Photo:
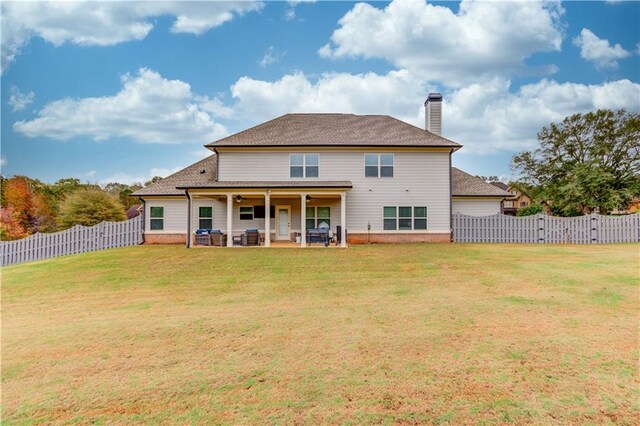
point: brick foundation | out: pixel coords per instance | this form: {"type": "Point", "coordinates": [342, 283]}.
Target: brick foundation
{"type": "Point", "coordinates": [398, 238]}
{"type": "Point", "coordinates": [165, 238]}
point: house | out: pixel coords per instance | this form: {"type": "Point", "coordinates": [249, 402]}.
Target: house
{"type": "Point", "coordinates": [517, 199]}
{"type": "Point", "coordinates": [377, 177]}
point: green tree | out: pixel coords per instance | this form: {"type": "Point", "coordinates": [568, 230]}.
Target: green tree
{"type": "Point", "coordinates": [89, 207]}
{"type": "Point", "coordinates": [529, 210]}
{"type": "Point", "coordinates": [586, 163]}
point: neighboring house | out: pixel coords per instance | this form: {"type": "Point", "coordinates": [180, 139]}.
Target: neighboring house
{"type": "Point", "coordinates": [380, 178]}
{"type": "Point", "coordinates": [515, 201]}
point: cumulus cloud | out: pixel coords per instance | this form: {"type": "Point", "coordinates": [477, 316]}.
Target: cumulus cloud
{"type": "Point", "coordinates": [18, 100]}
{"type": "Point", "coordinates": [599, 51]}
{"type": "Point", "coordinates": [148, 109]}
{"type": "Point", "coordinates": [130, 179]}
{"type": "Point", "coordinates": [485, 117]}
{"type": "Point", "coordinates": [480, 41]}
{"type": "Point", "coordinates": [3, 161]}
{"type": "Point", "coordinates": [106, 23]}
{"type": "Point", "coordinates": [393, 93]}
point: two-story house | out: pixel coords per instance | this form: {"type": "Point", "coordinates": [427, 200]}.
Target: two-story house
{"type": "Point", "coordinates": [516, 200]}
{"type": "Point", "coordinates": [378, 178]}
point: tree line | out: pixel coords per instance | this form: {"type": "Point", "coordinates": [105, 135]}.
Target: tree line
{"type": "Point", "coordinates": [29, 205]}
{"type": "Point", "coordinates": [587, 163]}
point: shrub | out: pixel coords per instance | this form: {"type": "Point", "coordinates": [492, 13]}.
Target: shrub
{"type": "Point", "coordinates": [529, 210]}
{"type": "Point", "coordinates": [89, 207]}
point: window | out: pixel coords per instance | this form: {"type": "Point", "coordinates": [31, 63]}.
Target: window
{"type": "Point", "coordinates": [304, 165]}
{"type": "Point", "coordinates": [523, 204]}
{"type": "Point", "coordinates": [246, 213]}
{"type": "Point", "coordinates": [205, 218]}
{"type": "Point", "coordinates": [508, 204]}
{"type": "Point", "coordinates": [157, 218]}
{"type": "Point", "coordinates": [404, 218]}
{"type": "Point", "coordinates": [318, 215]}
{"type": "Point", "coordinates": [378, 165]}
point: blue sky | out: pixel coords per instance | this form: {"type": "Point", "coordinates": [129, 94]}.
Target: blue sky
{"type": "Point", "coordinates": [128, 90]}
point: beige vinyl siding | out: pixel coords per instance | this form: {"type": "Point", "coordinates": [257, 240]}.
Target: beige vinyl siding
{"type": "Point", "coordinates": [175, 215]}
{"type": "Point", "coordinates": [421, 178]}
{"type": "Point", "coordinates": [476, 207]}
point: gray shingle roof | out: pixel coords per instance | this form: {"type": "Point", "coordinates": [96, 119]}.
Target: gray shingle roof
{"type": "Point", "coordinates": [335, 130]}
{"type": "Point", "coordinates": [191, 175]}
{"type": "Point", "coordinates": [465, 185]}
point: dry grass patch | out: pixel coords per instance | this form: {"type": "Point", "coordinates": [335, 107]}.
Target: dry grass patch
{"type": "Point", "coordinates": [373, 334]}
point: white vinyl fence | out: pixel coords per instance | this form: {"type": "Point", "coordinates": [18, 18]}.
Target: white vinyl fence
{"type": "Point", "coordinates": [540, 228]}
{"type": "Point", "coordinates": [78, 239]}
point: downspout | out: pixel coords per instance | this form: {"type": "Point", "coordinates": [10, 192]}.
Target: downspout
{"type": "Point", "coordinates": [217, 164]}
{"type": "Point", "coordinates": [186, 191]}
{"type": "Point", "coordinates": [450, 198]}
{"type": "Point", "coordinates": [144, 222]}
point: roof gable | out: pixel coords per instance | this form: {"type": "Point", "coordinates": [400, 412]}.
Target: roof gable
{"type": "Point", "coordinates": [199, 173]}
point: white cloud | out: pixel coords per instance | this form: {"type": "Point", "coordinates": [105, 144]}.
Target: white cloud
{"type": "Point", "coordinates": [3, 161]}
{"type": "Point", "coordinates": [395, 93]}
{"type": "Point", "coordinates": [129, 179]}
{"type": "Point", "coordinates": [599, 51]}
{"type": "Point", "coordinates": [271, 56]}
{"type": "Point", "coordinates": [148, 109]}
{"type": "Point", "coordinates": [480, 41]}
{"type": "Point", "coordinates": [485, 117]}
{"type": "Point", "coordinates": [106, 23]}
{"type": "Point", "coordinates": [90, 174]}
{"type": "Point", "coordinates": [18, 100]}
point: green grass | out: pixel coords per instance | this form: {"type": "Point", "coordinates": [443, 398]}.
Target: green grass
{"type": "Point", "coordinates": [435, 334]}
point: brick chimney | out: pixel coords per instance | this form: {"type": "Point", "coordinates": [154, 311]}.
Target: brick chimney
{"type": "Point", "coordinates": [433, 113]}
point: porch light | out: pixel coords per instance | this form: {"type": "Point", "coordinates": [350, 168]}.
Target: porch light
{"type": "Point", "coordinates": [238, 198]}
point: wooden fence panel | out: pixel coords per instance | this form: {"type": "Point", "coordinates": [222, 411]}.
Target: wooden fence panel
{"type": "Point", "coordinates": [79, 239]}
{"type": "Point", "coordinates": [540, 228]}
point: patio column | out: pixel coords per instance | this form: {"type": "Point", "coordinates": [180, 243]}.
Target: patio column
{"type": "Point", "coordinates": [303, 220]}
{"type": "Point", "coordinates": [343, 219]}
{"type": "Point", "coordinates": [229, 220]}
{"type": "Point", "coordinates": [267, 219]}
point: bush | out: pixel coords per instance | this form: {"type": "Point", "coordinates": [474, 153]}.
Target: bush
{"type": "Point", "coordinates": [529, 210]}
{"type": "Point", "coordinates": [89, 207]}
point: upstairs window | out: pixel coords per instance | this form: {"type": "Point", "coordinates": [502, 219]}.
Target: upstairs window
{"type": "Point", "coordinates": [303, 165]}
{"type": "Point", "coordinates": [378, 165]}
{"type": "Point", "coordinates": [205, 218]}
{"type": "Point", "coordinates": [156, 221]}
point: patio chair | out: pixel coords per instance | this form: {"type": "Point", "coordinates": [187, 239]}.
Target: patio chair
{"type": "Point", "coordinates": [218, 238]}
{"type": "Point", "coordinates": [251, 237]}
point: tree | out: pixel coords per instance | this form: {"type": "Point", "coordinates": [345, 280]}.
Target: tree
{"type": "Point", "coordinates": [529, 210]}
{"type": "Point", "coordinates": [10, 228]}
{"type": "Point", "coordinates": [589, 162]}
{"type": "Point", "coordinates": [89, 207]}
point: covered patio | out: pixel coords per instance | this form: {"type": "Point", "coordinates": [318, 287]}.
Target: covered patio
{"type": "Point", "coordinates": [282, 213]}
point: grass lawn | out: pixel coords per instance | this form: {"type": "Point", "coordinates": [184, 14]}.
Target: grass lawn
{"type": "Point", "coordinates": [441, 333]}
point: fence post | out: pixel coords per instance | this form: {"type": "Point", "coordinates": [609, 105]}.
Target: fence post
{"type": "Point", "coordinates": [540, 227]}
{"type": "Point", "coordinates": [594, 224]}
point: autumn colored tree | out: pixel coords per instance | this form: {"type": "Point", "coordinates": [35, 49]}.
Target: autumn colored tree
{"type": "Point", "coordinates": [89, 207]}
{"type": "Point", "coordinates": [10, 228]}
{"type": "Point", "coordinates": [19, 197]}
